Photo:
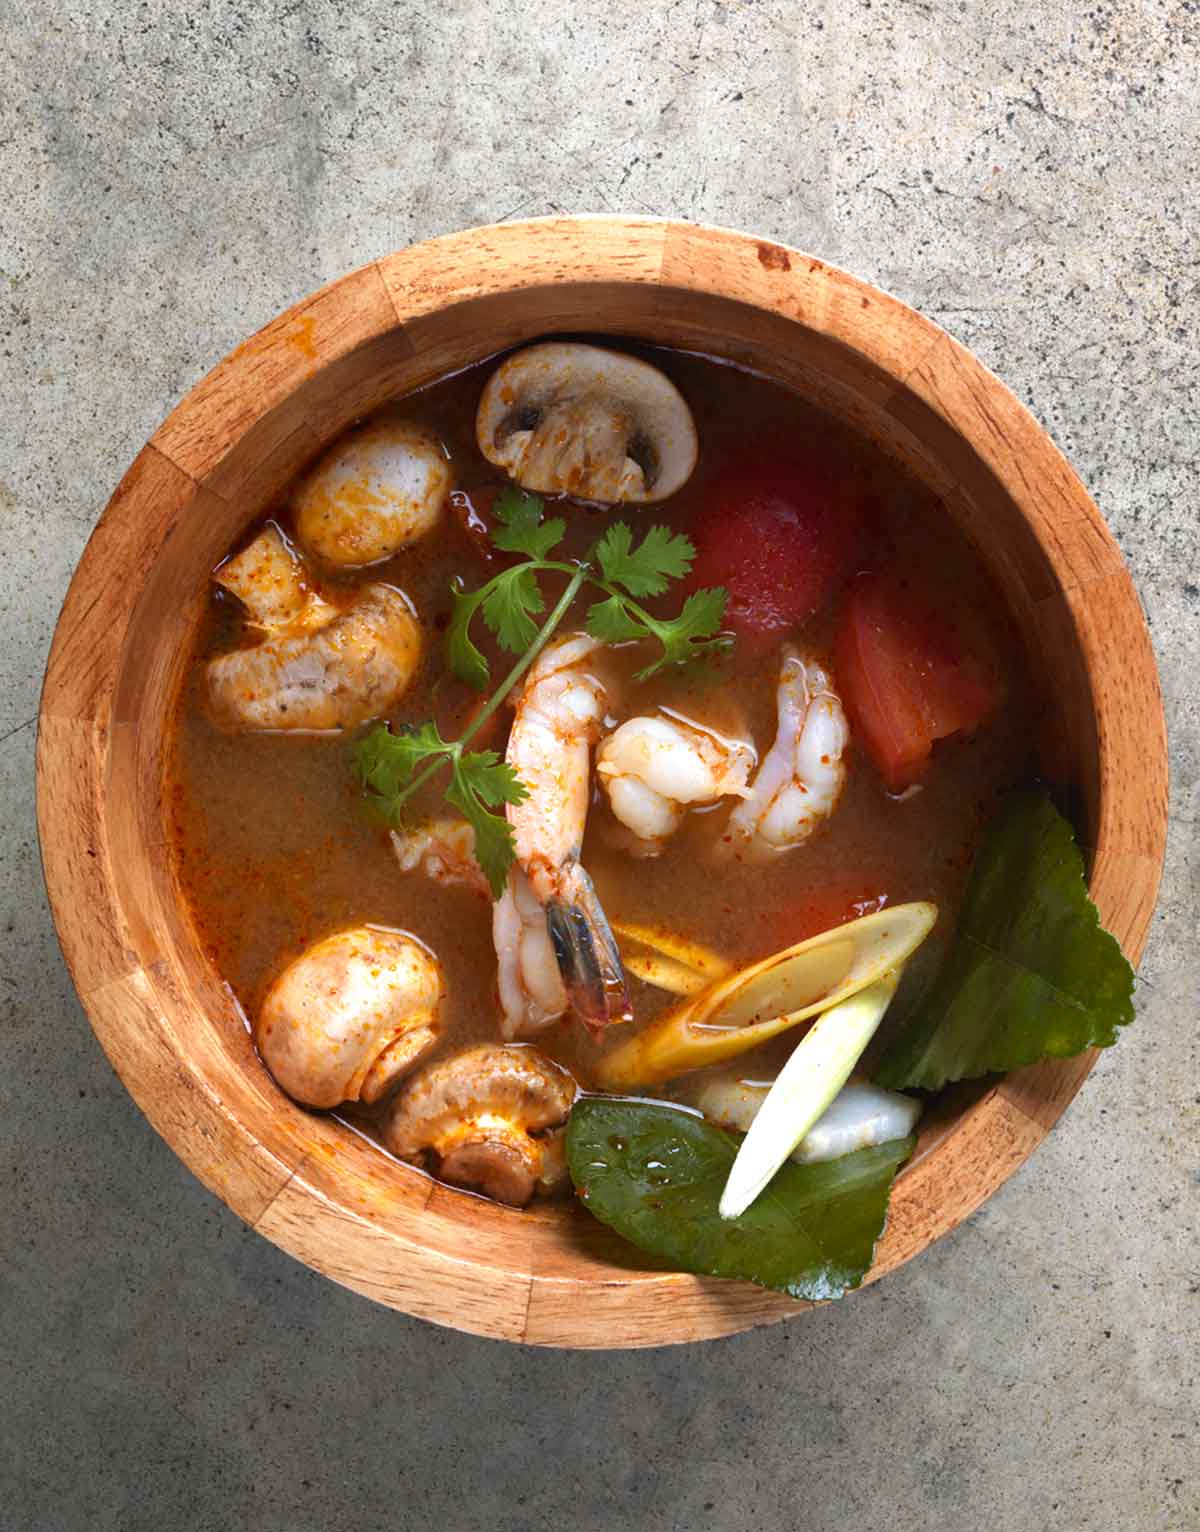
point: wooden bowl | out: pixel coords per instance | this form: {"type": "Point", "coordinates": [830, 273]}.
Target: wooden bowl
{"type": "Point", "coordinates": [549, 1276]}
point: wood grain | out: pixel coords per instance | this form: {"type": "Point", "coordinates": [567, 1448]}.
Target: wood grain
{"type": "Point", "coordinates": [168, 1023]}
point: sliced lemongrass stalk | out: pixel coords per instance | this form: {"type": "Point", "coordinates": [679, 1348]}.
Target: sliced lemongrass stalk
{"type": "Point", "coordinates": [670, 962]}
{"type": "Point", "coordinates": [804, 1088]}
{"type": "Point", "coordinates": [665, 973]}
{"type": "Point", "coordinates": [861, 1115]}
{"type": "Point", "coordinates": [757, 1003]}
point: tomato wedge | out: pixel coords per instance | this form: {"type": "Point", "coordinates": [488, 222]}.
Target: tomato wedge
{"type": "Point", "coordinates": [908, 674]}
{"type": "Point", "coordinates": [781, 537]}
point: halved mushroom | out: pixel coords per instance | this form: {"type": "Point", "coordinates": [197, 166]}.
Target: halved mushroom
{"type": "Point", "coordinates": [351, 1016]}
{"type": "Point", "coordinates": [271, 583]}
{"type": "Point", "coordinates": [375, 491]}
{"type": "Point", "coordinates": [339, 669]}
{"type": "Point", "coordinates": [563, 418]}
{"type": "Point", "coordinates": [486, 1119]}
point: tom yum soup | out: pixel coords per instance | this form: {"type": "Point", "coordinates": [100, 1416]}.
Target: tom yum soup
{"type": "Point", "coordinates": [576, 765]}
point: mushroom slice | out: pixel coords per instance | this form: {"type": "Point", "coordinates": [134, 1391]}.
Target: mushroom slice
{"type": "Point", "coordinates": [351, 1016]}
{"type": "Point", "coordinates": [485, 1118]}
{"type": "Point", "coordinates": [270, 582]}
{"type": "Point", "coordinates": [375, 491]}
{"type": "Point", "coordinates": [563, 418]}
{"type": "Point", "coordinates": [350, 669]}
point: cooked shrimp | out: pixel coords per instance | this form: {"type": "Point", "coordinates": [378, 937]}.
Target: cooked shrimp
{"type": "Point", "coordinates": [558, 716]}
{"type": "Point", "coordinates": [801, 778]}
{"type": "Point", "coordinates": [442, 849]}
{"type": "Point", "coordinates": [532, 994]}
{"type": "Point", "coordinates": [655, 768]}
{"type": "Point", "coordinates": [350, 669]}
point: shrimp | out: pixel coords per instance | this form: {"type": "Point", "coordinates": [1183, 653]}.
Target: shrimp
{"type": "Point", "coordinates": [532, 993]}
{"type": "Point", "coordinates": [442, 849]}
{"type": "Point", "coordinates": [802, 775]}
{"type": "Point", "coordinates": [558, 716]}
{"type": "Point", "coordinates": [654, 768]}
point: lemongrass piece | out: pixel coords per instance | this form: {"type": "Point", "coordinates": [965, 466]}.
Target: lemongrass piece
{"type": "Point", "coordinates": [861, 1115]}
{"type": "Point", "coordinates": [709, 965]}
{"type": "Point", "coordinates": [665, 973]}
{"type": "Point", "coordinates": [805, 1087]}
{"type": "Point", "coordinates": [757, 1003]}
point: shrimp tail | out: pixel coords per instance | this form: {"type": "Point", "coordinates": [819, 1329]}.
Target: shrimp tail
{"type": "Point", "coordinates": [587, 953]}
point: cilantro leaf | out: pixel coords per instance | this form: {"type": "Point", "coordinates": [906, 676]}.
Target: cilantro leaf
{"type": "Point", "coordinates": [509, 603]}
{"type": "Point", "coordinates": [492, 779]}
{"type": "Point", "coordinates": [522, 529]}
{"type": "Point", "coordinates": [695, 631]}
{"type": "Point", "coordinates": [481, 778]}
{"type": "Point", "coordinates": [465, 660]}
{"type": "Point", "coordinates": [386, 761]}
{"type": "Point", "coordinates": [613, 622]}
{"type": "Point", "coordinates": [662, 556]}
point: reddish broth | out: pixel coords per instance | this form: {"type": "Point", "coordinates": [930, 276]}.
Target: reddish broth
{"type": "Point", "coordinates": [273, 848]}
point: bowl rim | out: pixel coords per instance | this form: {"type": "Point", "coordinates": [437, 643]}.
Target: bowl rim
{"type": "Point", "coordinates": [296, 1204]}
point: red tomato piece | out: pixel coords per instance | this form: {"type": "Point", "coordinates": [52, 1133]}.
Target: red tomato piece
{"type": "Point", "coordinates": [780, 537]}
{"type": "Point", "coordinates": [908, 674]}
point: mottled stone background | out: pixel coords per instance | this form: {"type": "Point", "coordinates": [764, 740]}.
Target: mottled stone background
{"type": "Point", "coordinates": [171, 176]}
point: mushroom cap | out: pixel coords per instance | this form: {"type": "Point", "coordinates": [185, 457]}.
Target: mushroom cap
{"type": "Point", "coordinates": [477, 1112]}
{"type": "Point", "coordinates": [565, 418]}
{"type": "Point", "coordinates": [351, 669]}
{"type": "Point", "coordinates": [374, 491]}
{"type": "Point", "coordinates": [350, 1016]}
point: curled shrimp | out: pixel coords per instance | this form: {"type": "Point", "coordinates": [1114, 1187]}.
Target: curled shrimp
{"type": "Point", "coordinates": [802, 775]}
{"type": "Point", "coordinates": [558, 717]}
{"type": "Point", "coordinates": [532, 993]}
{"type": "Point", "coordinates": [655, 768]}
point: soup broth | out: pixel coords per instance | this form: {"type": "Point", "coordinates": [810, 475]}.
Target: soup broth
{"type": "Point", "coordinates": [275, 847]}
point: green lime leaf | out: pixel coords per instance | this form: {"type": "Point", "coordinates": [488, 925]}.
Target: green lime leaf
{"type": "Point", "coordinates": [1032, 974]}
{"type": "Point", "coordinates": [522, 529]}
{"type": "Point", "coordinates": [655, 1175]}
{"type": "Point", "coordinates": [464, 659]}
{"type": "Point", "coordinates": [509, 604]}
{"type": "Point", "coordinates": [647, 570]}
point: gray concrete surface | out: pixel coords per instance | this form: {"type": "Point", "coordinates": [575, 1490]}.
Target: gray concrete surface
{"type": "Point", "coordinates": [171, 176]}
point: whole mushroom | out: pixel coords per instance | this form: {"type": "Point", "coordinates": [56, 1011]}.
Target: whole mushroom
{"type": "Point", "coordinates": [351, 1016]}
{"type": "Point", "coordinates": [486, 1118]}
{"type": "Point", "coordinates": [564, 418]}
{"type": "Point", "coordinates": [374, 491]}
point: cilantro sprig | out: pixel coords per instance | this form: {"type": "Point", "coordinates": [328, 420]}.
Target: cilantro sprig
{"type": "Point", "coordinates": [393, 767]}
{"type": "Point", "coordinates": [479, 782]}
{"type": "Point", "coordinates": [624, 570]}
